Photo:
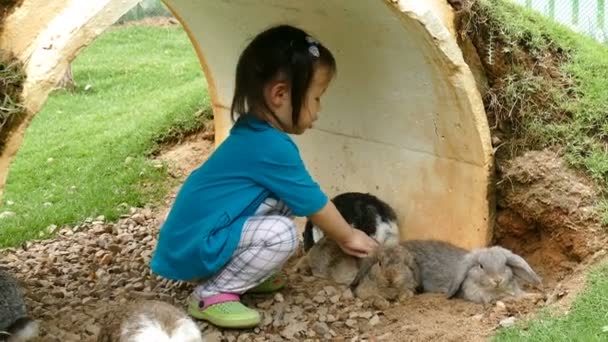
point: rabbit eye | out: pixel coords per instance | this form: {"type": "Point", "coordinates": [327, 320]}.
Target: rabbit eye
{"type": "Point", "coordinates": [481, 266]}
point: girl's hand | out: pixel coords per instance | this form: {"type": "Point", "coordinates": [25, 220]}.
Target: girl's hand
{"type": "Point", "coordinates": [358, 244]}
{"type": "Point", "coordinates": [352, 241]}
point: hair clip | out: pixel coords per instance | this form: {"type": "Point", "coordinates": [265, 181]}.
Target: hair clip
{"type": "Point", "coordinates": [311, 40]}
{"type": "Point", "coordinates": [313, 50]}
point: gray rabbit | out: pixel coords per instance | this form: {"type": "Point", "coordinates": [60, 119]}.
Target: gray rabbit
{"type": "Point", "coordinates": [15, 324]}
{"type": "Point", "coordinates": [482, 275]}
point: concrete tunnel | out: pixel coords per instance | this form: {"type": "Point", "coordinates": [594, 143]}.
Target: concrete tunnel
{"type": "Point", "coordinates": [404, 118]}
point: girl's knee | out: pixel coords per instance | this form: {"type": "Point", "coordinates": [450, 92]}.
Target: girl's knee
{"type": "Point", "coordinates": [285, 233]}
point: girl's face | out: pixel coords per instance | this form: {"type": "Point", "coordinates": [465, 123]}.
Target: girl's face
{"type": "Point", "coordinates": [312, 103]}
{"type": "Point", "coordinates": [278, 97]}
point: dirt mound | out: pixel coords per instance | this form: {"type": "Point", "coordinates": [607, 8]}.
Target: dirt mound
{"type": "Point", "coordinates": [549, 207]}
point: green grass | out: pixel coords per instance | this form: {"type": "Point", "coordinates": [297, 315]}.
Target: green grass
{"type": "Point", "coordinates": [146, 85]}
{"type": "Point", "coordinates": [571, 115]}
{"type": "Point", "coordinates": [587, 320]}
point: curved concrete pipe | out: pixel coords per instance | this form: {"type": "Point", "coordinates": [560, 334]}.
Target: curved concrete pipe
{"type": "Point", "coordinates": [403, 119]}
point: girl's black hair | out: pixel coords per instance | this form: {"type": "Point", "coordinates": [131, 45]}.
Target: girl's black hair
{"type": "Point", "coordinates": [281, 49]}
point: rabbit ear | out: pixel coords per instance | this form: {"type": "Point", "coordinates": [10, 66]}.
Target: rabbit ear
{"type": "Point", "coordinates": [520, 267]}
{"type": "Point", "coordinates": [366, 266]}
{"type": "Point", "coordinates": [460, 275]}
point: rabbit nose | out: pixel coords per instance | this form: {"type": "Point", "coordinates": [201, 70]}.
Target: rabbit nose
{"type": "Point", "coordinates": [497, 282]}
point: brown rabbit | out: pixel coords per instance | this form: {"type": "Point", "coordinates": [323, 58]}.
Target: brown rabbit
{"type": "Point", "coordinates": [391, 274]}
{"type": "Point", "coordinates": [325, 259]}
{"type": "Point", "coordinates": [148, 320]}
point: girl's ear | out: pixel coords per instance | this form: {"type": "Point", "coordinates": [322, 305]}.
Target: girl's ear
{"type": "Point", "coordinates": [277, 94]}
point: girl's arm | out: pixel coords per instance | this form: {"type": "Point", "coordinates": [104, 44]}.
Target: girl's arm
{"type": "Point", "coordinates": [352, 241]}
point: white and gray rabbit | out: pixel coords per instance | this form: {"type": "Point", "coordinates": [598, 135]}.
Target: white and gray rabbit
{"type": "Point", "coordinates": [482, 275]}
{"type": "Point", "coordinates": [15, 324]}
{"type": "Point", "coordinates": [362, 211]}
{"type": "Point", "coordinates": [148, 320]}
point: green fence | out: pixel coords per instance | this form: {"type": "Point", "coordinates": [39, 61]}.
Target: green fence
{"type": "Point", "coordinates": [584, 16]}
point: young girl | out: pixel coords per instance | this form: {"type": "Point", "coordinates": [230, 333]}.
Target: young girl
{"type": "Point", "coordinates": [230, 227]}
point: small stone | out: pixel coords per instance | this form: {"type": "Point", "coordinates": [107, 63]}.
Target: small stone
{"type": "Point", "coordinates": [106, 259]}
{"type": "Point", "coordinates": [366, 315]}
{"type": "Point", "coordinates": [139, 218]}
{"type": "Point", "coordinates": [265, 304]}
{"type": "Point", "coordinates": [51, 229]}
{"type": "Point", "coordinates": [50, 160]}
{"type": "Point", "coordinates": [385, 337]}
{"type": "Point", "coordinates": [347, 295]}
{"type": "Point", "coordinates": [374, 320]}
{"type": "Point", "coordinates": [128, 160]}
{"type": "Point", "coordinates": [351, 323]}
{"type": "Point", "coordinates": [47, 204]}
{"type": "Point", "coordinates": [507, 322]}
{"type": "Point", "coordinates": [496, 141]}
{"type": "Point", "coordinates": [381, 304]}
{"type": "Point", "coordinates": [500, 308]}
{"type": "Point", "coordinates": [293, 329]}
{"type": "Point", "coordinates": [320, 328]}
{"type": "Point", "coordinates": [477, 317]}
{"type": "Point", "coordinates": [330, 290]}
{"type": "Point", "coordinates": [267, 320]}
{"type": "Point", "coordinates": [279, 298]}
{"type": "Point", "coordinates": [147, 212]}
{"type": "Point", "coordinates": [100, 218]}
{"type": "Point", "coordinates": [138, 286]}
{"type": "Point", "coordinates": [319, 299]}
{"type": "Point", "coordinates": [214, 336]}
{"type": "Point", "coordinates": [334, 299]}
{"type": "Point", "coordinates": [88, 87]}
{"type": "Point", "coordinates": [92, 329]}
{"type": "Point", "coordinates": [331, 318]}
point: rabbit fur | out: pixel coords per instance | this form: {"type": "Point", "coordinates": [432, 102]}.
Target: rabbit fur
{"type": "Point", "coordinates": [391, 273]}
{"type": "Point", "coordinates": [482, 275]}
{"type": "Point", "coordinates": [362, 211]}
{"type": "Point", "coordinates": [148, 320]}
{"type": "Point", "coordinates": [326, 260]}
{"type": "Point", "coordinates": [15, 324]}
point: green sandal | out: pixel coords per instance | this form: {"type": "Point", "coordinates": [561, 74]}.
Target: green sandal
{"type": "Point", "coordinates": [272, 284]}
{"type": "Point", "coordinates": [225, 311]}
